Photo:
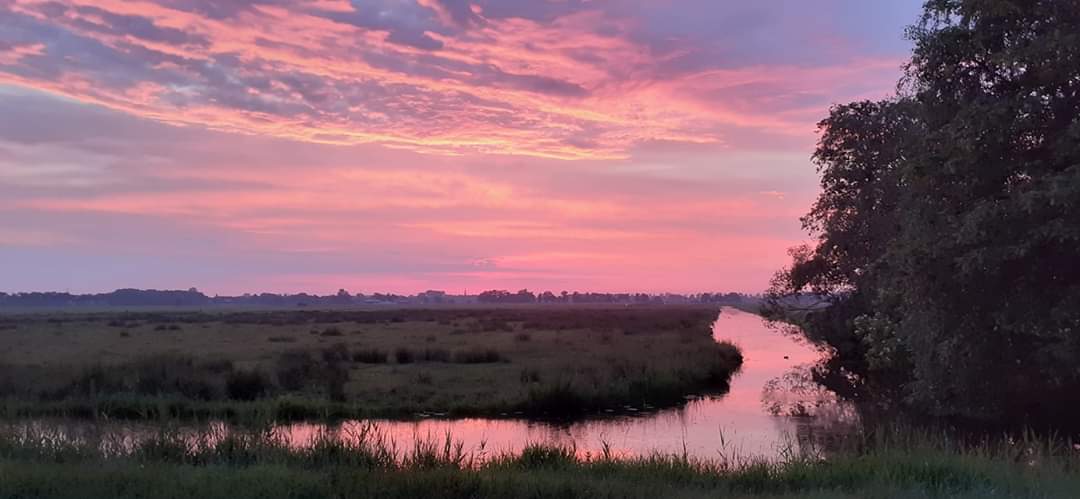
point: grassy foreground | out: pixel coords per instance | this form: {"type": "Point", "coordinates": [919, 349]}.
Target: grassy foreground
{"type": "Point", "coordinates": [297, 364]}
{"type": "Point", "coordinates": [257, 465]}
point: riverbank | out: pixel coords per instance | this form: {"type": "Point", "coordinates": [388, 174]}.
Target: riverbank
{"type": "Point", "coordinates": [335, 364]}
{"type": "Point", "coordinates": [172, 465]}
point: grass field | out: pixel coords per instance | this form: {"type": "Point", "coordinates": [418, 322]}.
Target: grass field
{"type": "Point", "coordinates": [35, 465]}
{"type": "Point", "coordinates": [551, 361]}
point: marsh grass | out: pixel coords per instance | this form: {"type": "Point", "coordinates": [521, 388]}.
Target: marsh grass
{"type": "Point", "coordinates": [575, 360]}
{"type": "Point", "coordinates": [361, 462]}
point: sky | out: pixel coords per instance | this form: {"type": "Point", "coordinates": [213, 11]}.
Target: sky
{"type": "Point", "coordinates": [403, 145]}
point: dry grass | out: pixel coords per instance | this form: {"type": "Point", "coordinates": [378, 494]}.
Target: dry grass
{"type": "Point", "coordinates": [470, 361]}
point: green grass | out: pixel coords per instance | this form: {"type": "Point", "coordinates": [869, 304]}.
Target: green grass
{"type": "Point", "coordinates": [339, 363]}
{"type": "Point", "coordinates": [257, 464]}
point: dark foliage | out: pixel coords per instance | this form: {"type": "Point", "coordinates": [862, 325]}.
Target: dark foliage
{"type": "Point", "coordinates": [404, 356]}
{"type": "Point", "coordinates": [370, 356]}
{"type": "Point", "coordinates": [949, 223]}
{"type": "Point", "coordinates": [247, 385]}
{"type": "Point", "coordinates": [485, 356]}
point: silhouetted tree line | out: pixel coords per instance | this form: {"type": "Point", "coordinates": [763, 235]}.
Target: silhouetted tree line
{"type": "Point", "coordinates": [191, 297]}
{"type": "Point", "coordinates": [948, 229]}
{"type": "Point", "coordinates": [526, 296]}
{"type": "Point", "coordinates": [194, 298]}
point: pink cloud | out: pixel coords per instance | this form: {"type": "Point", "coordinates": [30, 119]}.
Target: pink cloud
{"type": "Point", "coordinates": [399, 145]}
{"type": "Point", "coordinates": [559, 89]}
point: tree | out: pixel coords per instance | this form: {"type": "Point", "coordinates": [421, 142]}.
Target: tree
{"type": "Point", "coordinates": [949, 221]}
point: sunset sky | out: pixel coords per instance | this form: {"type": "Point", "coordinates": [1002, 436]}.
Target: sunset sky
{"type": "Point", "coordinates": [404, 145]}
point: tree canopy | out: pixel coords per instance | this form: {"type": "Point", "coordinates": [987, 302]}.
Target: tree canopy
{"type": "Point", "coordinates": [948, 227]}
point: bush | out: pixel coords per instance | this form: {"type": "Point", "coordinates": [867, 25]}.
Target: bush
{"type": "Point", "coordinates": [295, 369]}
{"type": "Point", "coordinates": [523, 337]}
{"type": "Point", "coordinates": [153, 376]}
{"type": "Point", "coordinates": [478, 356]}
{"type": "Point", "coordinates": [404, 356]}
{"type": "Point", "coordinates": [331, 331]}
{"type": "Point", "coordinates": [247, 385]}
{"type": "Point", "coordinates": [370, 356]}
{"type": "Point", "coordinates": [560, 398]}
{"type": "Point", "coordinates": [168, 375]}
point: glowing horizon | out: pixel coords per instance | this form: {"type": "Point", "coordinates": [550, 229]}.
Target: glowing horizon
{"type": "Point", "coordinates": [405, 145]}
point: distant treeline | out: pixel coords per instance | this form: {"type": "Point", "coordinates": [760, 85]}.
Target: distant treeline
{"type": "Point", "coordinates": [193, 298]}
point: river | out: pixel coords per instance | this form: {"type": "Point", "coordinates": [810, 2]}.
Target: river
{"type": "Point", "coordinates": [771, 412]}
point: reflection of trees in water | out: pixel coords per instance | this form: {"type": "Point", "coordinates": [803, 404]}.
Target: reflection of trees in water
{"type": "Point", "coordinates": [797, 393]}
{"type": "Point", "coordinates": [822, 419]}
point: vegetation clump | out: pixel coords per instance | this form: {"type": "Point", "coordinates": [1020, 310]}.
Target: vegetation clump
{"type": "Point", "coordinates": [259, 365]}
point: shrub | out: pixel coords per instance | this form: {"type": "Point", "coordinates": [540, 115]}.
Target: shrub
{"type": "Point", "coordinates": [556, 399]}
{"type": "Point", "coordinates": [404, 356]}
{"type": "Point", "coordinates": [370, 356]}
{"type": "Point", "coordinates": [295, 369]}
{"type": "Point", "coordinates": [331, 331]}
{"type": "Point", "coordinates": [523, 337]}
{"type": "Point", "coordinates": [166, 374]}
{"type": "Point", "coordinates": [478, 356]}
{"type": "Point", "coordinates": [157, 375]}
{"type": "Point", "coordinates": [281, 339]}
{"type": "Point", "coordinates": [247, 385]}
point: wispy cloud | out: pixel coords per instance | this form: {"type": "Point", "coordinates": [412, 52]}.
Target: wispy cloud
{"type": "Point", "coordinates": [433, 76]}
